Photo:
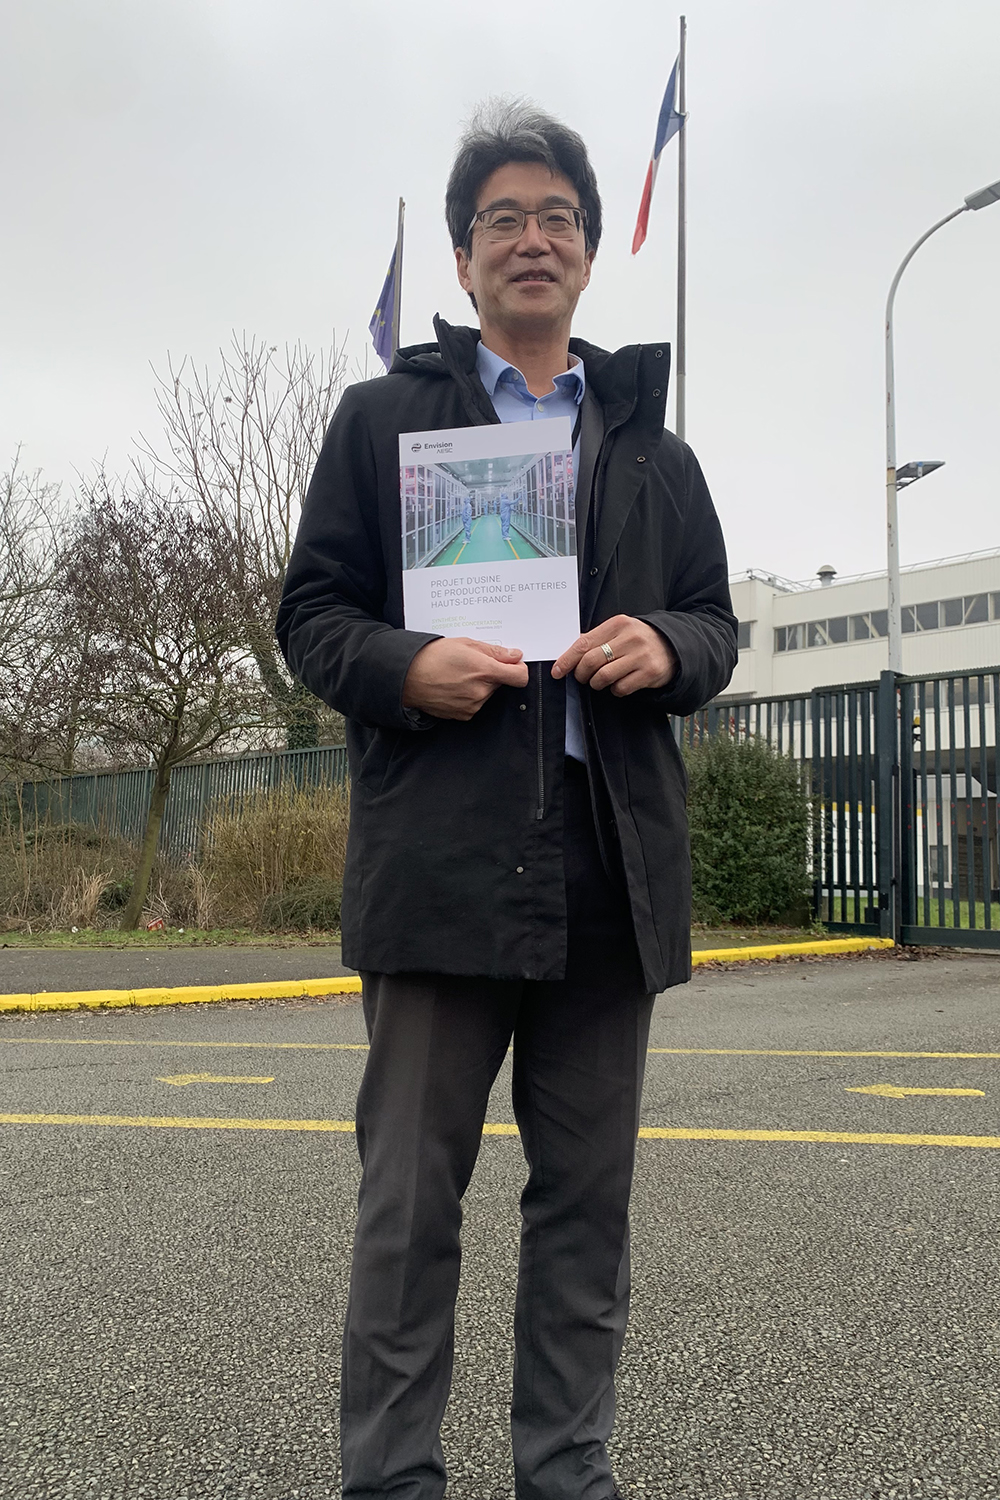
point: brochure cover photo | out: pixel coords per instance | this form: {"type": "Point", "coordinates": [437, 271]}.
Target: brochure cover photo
{"type": "Point", "coordinates": [489, 534]}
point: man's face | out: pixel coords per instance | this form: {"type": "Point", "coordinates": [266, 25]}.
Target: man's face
{"type": "Point", "coordinates": [532, 284]}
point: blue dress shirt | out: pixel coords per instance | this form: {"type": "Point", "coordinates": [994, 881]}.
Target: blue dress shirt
{"type": "Point", "coordinates": [513, 402]}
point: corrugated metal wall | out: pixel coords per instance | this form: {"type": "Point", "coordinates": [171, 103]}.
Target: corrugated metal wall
{"type": "Point", "coordinates": [118, 801]}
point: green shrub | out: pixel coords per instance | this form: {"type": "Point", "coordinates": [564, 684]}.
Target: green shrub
{"type": "Point", "coordinates": [304, 905]}
{"type": "Point", "coordinates": [115, 895]}
{"type": "Point", "coordinates": [749, 815]}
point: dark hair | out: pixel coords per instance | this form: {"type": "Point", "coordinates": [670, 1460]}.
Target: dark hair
{"type": "Point", "coordinates": [504, 130]}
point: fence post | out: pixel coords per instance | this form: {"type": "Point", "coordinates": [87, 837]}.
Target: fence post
{"type": "Point", "coordinates": [817, 790]}
{"type": "Point", "coordinates": [908, 811]}
{"type": "Point", "coordinates": [887, 813]}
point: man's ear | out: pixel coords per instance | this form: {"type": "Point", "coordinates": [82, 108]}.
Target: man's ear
{"type": "Point", "coordinates": [589, 258]}
{"type": "Point", "coordinates": [464, 269]}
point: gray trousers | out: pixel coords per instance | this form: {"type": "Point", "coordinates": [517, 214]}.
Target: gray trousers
{"type": "Point", "coordinates": [437, 1044]}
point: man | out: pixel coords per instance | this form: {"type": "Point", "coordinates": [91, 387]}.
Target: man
{"type": "Point", "coordinates": [518, 870]}
{"type": "Point", "coordinates": [467, 517]}
{"type": "Point", "coordinates": [504, 515]}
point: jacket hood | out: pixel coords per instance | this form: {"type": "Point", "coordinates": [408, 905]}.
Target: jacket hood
{"type": "Point", "coordinates": [613, 376]}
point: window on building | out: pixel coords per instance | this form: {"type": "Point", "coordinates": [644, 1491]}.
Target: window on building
{"type": "Point", "coordinates": [936, 614]}
{"type": "Point", "coordinates": [789, 637]}
{"type": "Point", "coordinates": [744, 635]}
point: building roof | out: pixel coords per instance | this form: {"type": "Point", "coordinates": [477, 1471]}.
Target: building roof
{"type": "Point", "coordinates": [804, 585]}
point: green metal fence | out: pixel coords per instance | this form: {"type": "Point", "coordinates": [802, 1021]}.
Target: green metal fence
{"type": "Point", "coordinates": [118, 801]}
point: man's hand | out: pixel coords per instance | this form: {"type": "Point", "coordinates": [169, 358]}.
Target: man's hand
{"type": "Point", "coordinates": [452, 679]}
{"type": "Point", "coordinates": [642, 657]}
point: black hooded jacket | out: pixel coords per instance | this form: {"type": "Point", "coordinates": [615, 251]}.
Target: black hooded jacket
{"type": "Point", "coordinates": [455, 853]}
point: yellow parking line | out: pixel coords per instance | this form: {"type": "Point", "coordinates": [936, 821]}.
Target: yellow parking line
{"type": "Point", "coordinates": [817, 1052]}
{"type": "Point", "coordinates": [180, 1122]}
{"type": "Point", "coordinates": [647, 1133]}
{"type": "Point", "coordinates": [898, 1091]}
{"type": "Point", "coordinates": [830, 1137]}
{"type": "Point", "coordinates": [101, 1041]}
{"type": "Point", "coordinates": [181, 1080]}
{"type": "Point", "coordinates": [94, 1041]}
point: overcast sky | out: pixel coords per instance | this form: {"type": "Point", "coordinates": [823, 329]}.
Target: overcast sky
{"type": "Point", "coordinates": [177, 169]}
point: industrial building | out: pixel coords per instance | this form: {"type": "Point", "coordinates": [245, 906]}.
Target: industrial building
{"type": "Point", "coordinates": [795, 637]}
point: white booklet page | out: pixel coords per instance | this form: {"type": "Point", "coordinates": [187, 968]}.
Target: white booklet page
{"type": "Point", "coordinates": [489, 534]}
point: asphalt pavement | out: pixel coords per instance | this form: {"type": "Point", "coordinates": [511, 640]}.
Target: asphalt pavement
{"type": "Point", "coordinates": [30, 971]}
{"type": "Point", "coordinates": [810, 1318]}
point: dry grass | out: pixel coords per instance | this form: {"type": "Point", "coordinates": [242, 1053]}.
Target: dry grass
{"type": "Point", "coordinates": [276, 846]}
{"type": "Point", "coordinates": [276, 861]}
{"type": "Point", "coordinates": [63, 875]}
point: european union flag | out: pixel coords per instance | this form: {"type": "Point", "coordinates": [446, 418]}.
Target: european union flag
{"type": "Point", "coordinates": [380, 326]}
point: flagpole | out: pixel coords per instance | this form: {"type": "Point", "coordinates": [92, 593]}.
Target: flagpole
{"type": "Point", "coordinates": [397, 298]}
{"type": "Point", "coordinates": [680, 367]}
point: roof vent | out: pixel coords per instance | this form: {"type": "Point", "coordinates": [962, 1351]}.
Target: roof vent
{"type": "Point", "coordinates": [826, 575]}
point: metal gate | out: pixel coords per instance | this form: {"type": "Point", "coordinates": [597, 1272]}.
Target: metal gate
{"type": "Point", "coordinates": [852, 879]}
{"type": "Point", "coordinates": [949, 728]}
{"type": "Point", "coordinates": [906, 814]}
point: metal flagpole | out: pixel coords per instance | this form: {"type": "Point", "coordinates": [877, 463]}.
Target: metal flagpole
{"type": "Point", "coordinates": [397, 296]}
{"type": "Point", "coordinates": [680, 363]}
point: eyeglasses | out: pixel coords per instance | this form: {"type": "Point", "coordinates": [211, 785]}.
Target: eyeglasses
{"type": "Point", "coordinates": [508, 223]}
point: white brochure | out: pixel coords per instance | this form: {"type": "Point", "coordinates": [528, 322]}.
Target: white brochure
{"type": "Point", "coordinates": [489, 534]}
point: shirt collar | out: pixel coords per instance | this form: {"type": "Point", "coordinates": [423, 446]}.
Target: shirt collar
{"type": "Point", "coordinates": [492, 369]}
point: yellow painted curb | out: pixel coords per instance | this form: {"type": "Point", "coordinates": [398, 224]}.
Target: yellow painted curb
{"type": "Point", "coordinates": [788, 950]}
{"type": "Point", "coordinates": [192, 994]}
{"type": "Point", "coordinates": [290, 989]}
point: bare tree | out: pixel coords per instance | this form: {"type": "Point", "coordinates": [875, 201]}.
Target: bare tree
{"type": "Point", "coordinates": [38, 692]}
{"type": "Point", "coordinates": [168, 672]}
{"type": "Point", "coordinates": [242, 444]}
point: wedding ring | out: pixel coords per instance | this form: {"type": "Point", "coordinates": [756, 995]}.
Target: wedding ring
{"type": "Point", "coordinates": [609, 655]}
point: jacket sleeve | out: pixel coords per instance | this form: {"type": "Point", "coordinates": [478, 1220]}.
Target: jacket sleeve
{"type": "Point", "coordinates": [699, 622]}
{"type": "Point", "coordinates": [330, 624]}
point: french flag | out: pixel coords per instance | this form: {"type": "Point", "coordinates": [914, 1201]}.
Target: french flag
{"type": "Point", "coordinates": [667, 126]}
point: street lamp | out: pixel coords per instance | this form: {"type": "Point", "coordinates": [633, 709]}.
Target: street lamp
{"type": "Point", "coordinates": [974, 201]}
{"type": "Point", "coordinates": [910, 473]}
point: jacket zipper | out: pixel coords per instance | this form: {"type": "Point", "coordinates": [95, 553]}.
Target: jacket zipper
{"type": "Point", "coordinates": [540, 747]}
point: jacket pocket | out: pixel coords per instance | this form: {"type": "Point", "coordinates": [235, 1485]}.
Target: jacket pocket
{"type": "Point", "coordinates": [377, 758]}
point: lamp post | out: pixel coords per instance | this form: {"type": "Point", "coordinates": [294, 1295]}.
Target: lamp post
{"type": "Point", "coordinates": [982, 199]}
